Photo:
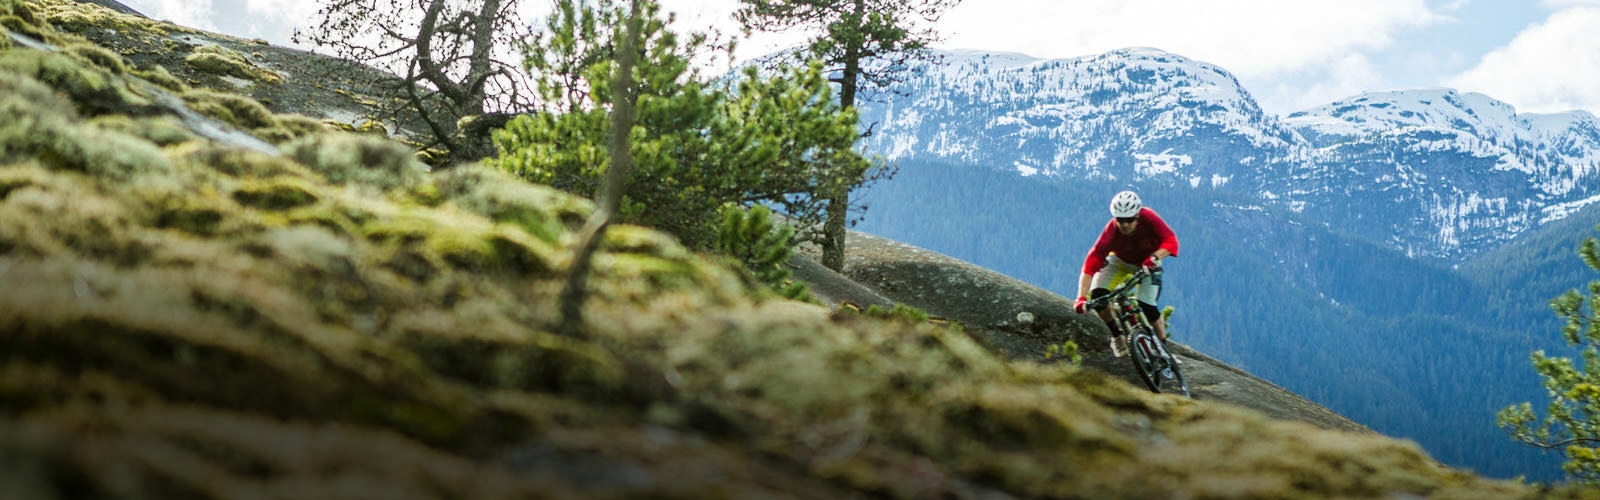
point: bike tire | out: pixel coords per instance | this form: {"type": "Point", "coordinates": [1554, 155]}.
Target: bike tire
{"type": "Point", "coordinates": [1174, 376]}
{"type": "Point", "coordinates": [1177, 375]}
{"type": "Point", "coordinates": [1143, 364]}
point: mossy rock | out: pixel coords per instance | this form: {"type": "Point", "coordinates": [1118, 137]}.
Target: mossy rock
{"type": "Point", "coordinates": [236, 162]}
{"type": "Point", "coordinates": [345, 158]}
{"type": "Point", "coordinates": [542, 211]}
{"type": "Point", "coordinates": [242, 112]}
{"type": "Point", "coordinates": [99, 57]}
{"type": "Point", "coordinates": [281, 193]}
{"type": "Point", "coordinates": [94, 90]}
{"type": "Point", "coordinates": [161, 77]}
{"type": "Point", "coordinates": [219, 60]}
{"type": "Point", "coordinates": [40, 126]}
{"type": "Point", "coordinates": [21, 25]}
{"type": "Point", "coordinates": [161, 131]}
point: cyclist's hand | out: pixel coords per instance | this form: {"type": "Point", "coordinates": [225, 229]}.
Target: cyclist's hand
{"type": "Point", "coordinates": [1081, 305]}
{"type": "Point", "coordinates": [1152, 264]}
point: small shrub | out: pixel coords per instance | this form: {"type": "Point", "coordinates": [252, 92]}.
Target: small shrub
{"type": "Point", "coordinates": [763, 248]}
{"type": "Point", "coordinates": [1067, 350]}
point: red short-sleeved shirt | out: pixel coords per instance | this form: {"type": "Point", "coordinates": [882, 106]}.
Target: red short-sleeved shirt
{"type": "Point", "coordinates": [1150, 235]}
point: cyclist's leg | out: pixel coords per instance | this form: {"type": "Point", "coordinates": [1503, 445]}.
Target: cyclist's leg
{"type": "Point", "coordinates": [1104, 312]}
{"type": "Point", "coordinates": [1100, 285]}
{"type": "Point", "coordinates": [1149, 293]}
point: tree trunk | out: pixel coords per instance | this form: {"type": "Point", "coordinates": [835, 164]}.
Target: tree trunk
{"type": "Point", "coordinates": [833, 229]}
{"type": "Point", "coordinates": [576, 290]}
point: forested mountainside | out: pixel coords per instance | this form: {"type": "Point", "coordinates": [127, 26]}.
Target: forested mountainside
{"type": "Point", "coordinates": [1434, 173]}
{"type": "Point", "coordinates": [1390, 255]}
{"type": "Point", "coordinates": [203, 317]}
{"type": "Point", "coordinates": [1406, 347]}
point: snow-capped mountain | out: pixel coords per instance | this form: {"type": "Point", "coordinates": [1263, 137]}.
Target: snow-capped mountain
{"type": "Point", "coordinates": [1433, 172]}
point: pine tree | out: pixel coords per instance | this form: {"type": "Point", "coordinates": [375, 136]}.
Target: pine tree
{"type": "Point", "coordinates": [866, 43]}
{"type": "Point", "coordinates": [774, 138]}
{"type": "Point", "coordinates": [1572, 422]}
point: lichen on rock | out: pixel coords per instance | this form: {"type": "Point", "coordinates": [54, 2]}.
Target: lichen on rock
{"type": "Point", "coordinates": [333, 318]}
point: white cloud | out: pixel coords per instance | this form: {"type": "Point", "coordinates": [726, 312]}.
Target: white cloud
{"type": "Point", "coordinates": [1252, 38]}
{"type": "Point", "coordinates": [1561, 4]}
{"type": "Point", "coordinates": [1341, 78]}
{"type": "Point", "coordinates": [192, 13]}
{"type": "Point", "coordinates": [1551, 66]}
{"type": "Point", "coordinates": [299, 11]}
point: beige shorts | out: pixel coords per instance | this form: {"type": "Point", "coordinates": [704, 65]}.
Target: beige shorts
{"type": "Point", "coordinates": [1116, 269]}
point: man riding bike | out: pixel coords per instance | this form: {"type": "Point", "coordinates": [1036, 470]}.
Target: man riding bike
{"type": "Point", "coordinates": [1135, 236]}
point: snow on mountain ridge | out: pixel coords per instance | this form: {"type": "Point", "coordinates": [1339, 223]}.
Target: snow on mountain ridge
{"type": "Point", "coordinates": [1053, 113]}
{"type": "Point", "coordinates": [1435, 172]}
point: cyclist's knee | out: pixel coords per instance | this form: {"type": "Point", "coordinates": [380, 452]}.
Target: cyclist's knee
{"type": "Point", "coordinates": [1098, 293]}
{"type": "Point", "coordinates": [1151, 312]}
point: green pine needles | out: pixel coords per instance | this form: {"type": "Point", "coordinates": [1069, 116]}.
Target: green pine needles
{"type": "Point", "coordinates": [763, 247]}
{"type": "Point", "coordinates": [1572, 422]}
{"type": "Point", "coordinates": [777, 138]}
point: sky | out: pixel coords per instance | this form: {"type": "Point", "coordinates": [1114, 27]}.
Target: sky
{"type": "Point", "coordinates": [1537, 55]}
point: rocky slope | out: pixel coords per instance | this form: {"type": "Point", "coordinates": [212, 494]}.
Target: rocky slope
{"type": "Point", "coordinates": [188, 317]}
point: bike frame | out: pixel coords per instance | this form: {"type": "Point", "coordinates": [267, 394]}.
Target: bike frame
{"type": "Point", "coordinates": [1150, 357]}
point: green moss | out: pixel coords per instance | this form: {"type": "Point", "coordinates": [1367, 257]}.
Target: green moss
{"type": "Point", "coordinates": [239, 111]}
{"type": "Point", "coordinates": [159, 130]}
{"type": "Point", "coordinates": [523, 255]}
{"type": "Point", "coordinates": [99, 56]}
{"type": "Point", "coordinates": [161, 77]}
{"type": "Point", "coordinates": [275, 194]}
{"type": "Point", "coordinates": [542, 211]}
{"type": "Point", "coordinates": [85, 17]}
{"type": "Point", "coordinates": [219, 60]}
{"type": "Point", "coordinates": [238, 162]}
{"type": "Point", "coordinates": [345, 158]}
{"type": "Point", "coordinates": [199, 213]}
{"type": "Point", "coordinates": [296, 126]}
{"type": "Point", "coordinates": [465, 250]}
{"type": "Point", "coordinates": [93, 90]}
{"type": "Point", "coordinates": [402, 229]}
{"type": "Point", "coordinates": [19, 24]}
{"type": "Point", "coordinates": [43, 128]}
{"type": "Point", "coordinates": [637, 239]}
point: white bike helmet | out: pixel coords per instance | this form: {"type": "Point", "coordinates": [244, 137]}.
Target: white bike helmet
{"type": "Point", "coordinates": [1125, 204]}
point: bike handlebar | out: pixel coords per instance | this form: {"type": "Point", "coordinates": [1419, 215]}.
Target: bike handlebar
{"type": "Point", "coordinates": [1122, 290]}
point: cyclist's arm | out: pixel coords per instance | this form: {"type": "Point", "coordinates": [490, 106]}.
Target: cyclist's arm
{"type": "Point", "coordinates": [1169, 239]}
{"type": "Point", "coordinates": [1096, 258]}
{"type": "Point", "coordinates": [1083, 284]}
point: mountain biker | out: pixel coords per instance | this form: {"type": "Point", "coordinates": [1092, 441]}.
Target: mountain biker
{"type": "Point", "coordinates": [1135, 234]}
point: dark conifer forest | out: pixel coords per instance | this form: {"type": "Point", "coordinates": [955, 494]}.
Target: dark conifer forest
{"type": "Point", "coordinates": [1411, 349]}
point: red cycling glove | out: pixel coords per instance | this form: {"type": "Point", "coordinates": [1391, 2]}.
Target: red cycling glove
{"type": "Point", "coordinates": [1081, 305]}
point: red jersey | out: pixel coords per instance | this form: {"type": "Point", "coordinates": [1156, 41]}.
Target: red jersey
{"type": "Point", "coordinates": [1150, 235]}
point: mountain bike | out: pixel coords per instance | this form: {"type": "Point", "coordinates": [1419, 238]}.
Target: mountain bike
{"type": "Point", "coordinates": [1151, 360]}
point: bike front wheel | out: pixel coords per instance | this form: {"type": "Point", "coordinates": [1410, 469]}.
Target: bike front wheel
{"type": "Point", "coordinates": [1157, 368]}
{"type": "Point", "coordinates": [1144, 360]}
